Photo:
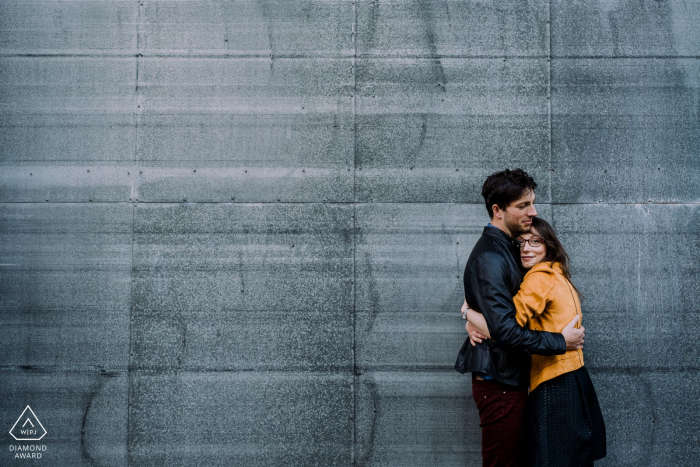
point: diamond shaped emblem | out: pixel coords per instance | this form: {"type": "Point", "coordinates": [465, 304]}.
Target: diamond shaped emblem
{"type": "Point", "coordinates": [28, 427]}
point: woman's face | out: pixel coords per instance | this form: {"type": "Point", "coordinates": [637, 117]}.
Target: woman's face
{"type": "Point", "coordinates": [531, 255]}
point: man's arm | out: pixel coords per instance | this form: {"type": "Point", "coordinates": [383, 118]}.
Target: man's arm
{"type": "Point", "coordinates": [572, 336]}
{"type": "Point", "coordinates": [497, 307]}
{"type": "Point", "coordinates": [474, 335]}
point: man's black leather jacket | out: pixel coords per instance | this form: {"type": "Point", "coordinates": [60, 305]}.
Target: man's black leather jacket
{"type": "Point", "coordinates": [492, 277]}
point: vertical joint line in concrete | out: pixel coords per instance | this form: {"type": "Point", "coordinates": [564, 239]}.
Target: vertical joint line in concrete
{"type": "Point", "coordinates": [354, 246]}
{"type": "Point", "coordinates": [354, 100]}
{"type": "Point", "coordinates": [549, 95]}
{"type": "Point", "coordinates": [130, 350]}
{"type": "Point", "coordinates": [138, 109]}
{"type": "Point", "coordinates": [354, 320]}
{"type": "Point", "coordinates": [137, 112]}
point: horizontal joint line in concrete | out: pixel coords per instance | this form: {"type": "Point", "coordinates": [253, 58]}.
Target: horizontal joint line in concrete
{"type": "Point", "coordinates": [336, 56]}
{"type": "Point", "coordinates": [448, 56]}
{"type": "Point", "coordinates": [166, 370]}
{"type": "Point", "coordinates": [62, 368]}
{"type": "Point", "coordinates": [360, 370]}
{"type": "Point", "coordinates": [341, 55]}
{"type": "Point", "coordinates": [632, 369]}
{"type": "Point", "coordinates": [183, 55]}
{"type": "Point", "coordinates": [689, 203]}
{"type": "Point", "coordinates": [593, 369]}
{"type": "Point", "coordinates": [632, 57]}
{"type": "Point", "coordinates": [301, 371]}
{"type": "Point", "coordinates": [404, 369]}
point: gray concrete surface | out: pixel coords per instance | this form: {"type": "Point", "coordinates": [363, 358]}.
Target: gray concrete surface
{"type": "Point", "coordinates": [233, 233]}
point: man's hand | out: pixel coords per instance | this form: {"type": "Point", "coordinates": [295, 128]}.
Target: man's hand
{"type": "Point", "coordinates": [474, 335]}
{"type": "Point", "coordinates": [572, 336]}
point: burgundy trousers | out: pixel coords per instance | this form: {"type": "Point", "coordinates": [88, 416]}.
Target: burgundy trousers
{"type": "Point", "coordinates": [502, 414]}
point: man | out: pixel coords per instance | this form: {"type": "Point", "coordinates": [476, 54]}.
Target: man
{"type": "Point", "coordinates": [492, 276]}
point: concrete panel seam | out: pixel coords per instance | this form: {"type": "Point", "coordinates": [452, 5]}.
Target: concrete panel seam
{"type": "Point", "coordinates": [435, 56]}
{"type": "Point", "coordinates": [634, 57]}
{"type": "Point", "coordinates": [549, 94]}
{"type": "Point", "coordinates": [50, 369]}
{"type": "Point", "coordinates": [354, 203]}
{"type": "Point", "coordinates": [131, 327]}
{"type": "Point", "coordinates": [354, 235]}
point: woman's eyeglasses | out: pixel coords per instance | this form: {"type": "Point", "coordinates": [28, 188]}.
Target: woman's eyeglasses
{"type": "Point", "coordinates": [533, 241]}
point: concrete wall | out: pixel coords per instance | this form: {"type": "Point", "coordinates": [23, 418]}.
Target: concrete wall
{"type": "Point", "coordinates": [232, 233]}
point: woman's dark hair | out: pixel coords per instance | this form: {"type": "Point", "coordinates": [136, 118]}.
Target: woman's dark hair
{"type": "Point", "coordinates": [504, 187]}
{"type": "Point", "coordinates": [555, 250]}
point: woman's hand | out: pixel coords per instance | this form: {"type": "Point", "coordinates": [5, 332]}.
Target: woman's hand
{"type": "Point", "coordinates": [475, 337]}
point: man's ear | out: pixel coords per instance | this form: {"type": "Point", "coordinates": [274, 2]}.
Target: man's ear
{"type": "Point", "coordinates": [497, 211]}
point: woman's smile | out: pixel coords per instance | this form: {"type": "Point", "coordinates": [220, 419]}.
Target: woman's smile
{"type": "Point", "coordinates": [529, 254]}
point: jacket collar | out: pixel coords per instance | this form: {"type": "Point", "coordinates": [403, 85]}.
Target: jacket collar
{"type": "Point", "coordinates": [508, 242]}
{"type": "Point", "coordinates": [497, 233]}
{"type": "Point", "coordinates": [548, 265]}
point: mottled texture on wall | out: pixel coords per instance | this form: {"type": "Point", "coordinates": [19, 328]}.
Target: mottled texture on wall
{"type": "Point", "coordinates": [233, 233]}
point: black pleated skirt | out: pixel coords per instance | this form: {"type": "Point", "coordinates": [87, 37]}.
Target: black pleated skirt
{"type": "Point", "coordinates": [564, 425]}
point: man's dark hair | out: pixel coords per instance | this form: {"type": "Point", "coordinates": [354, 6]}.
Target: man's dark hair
{"type": "Point", "coordinates": [502, 188]}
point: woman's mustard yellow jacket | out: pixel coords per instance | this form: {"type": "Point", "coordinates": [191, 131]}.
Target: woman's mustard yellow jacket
{"type": "Point", "coordinates": [546, 301]}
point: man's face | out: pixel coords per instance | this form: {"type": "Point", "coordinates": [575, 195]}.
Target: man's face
{"type": "Point", "coordinates": [517, 217]}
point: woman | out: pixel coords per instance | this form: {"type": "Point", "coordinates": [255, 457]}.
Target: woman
{"type": "Point", "coordinates": [563, 425]}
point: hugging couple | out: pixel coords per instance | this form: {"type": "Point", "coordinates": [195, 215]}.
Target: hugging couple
{"type": "Point", "coordinates": [524, 323]}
